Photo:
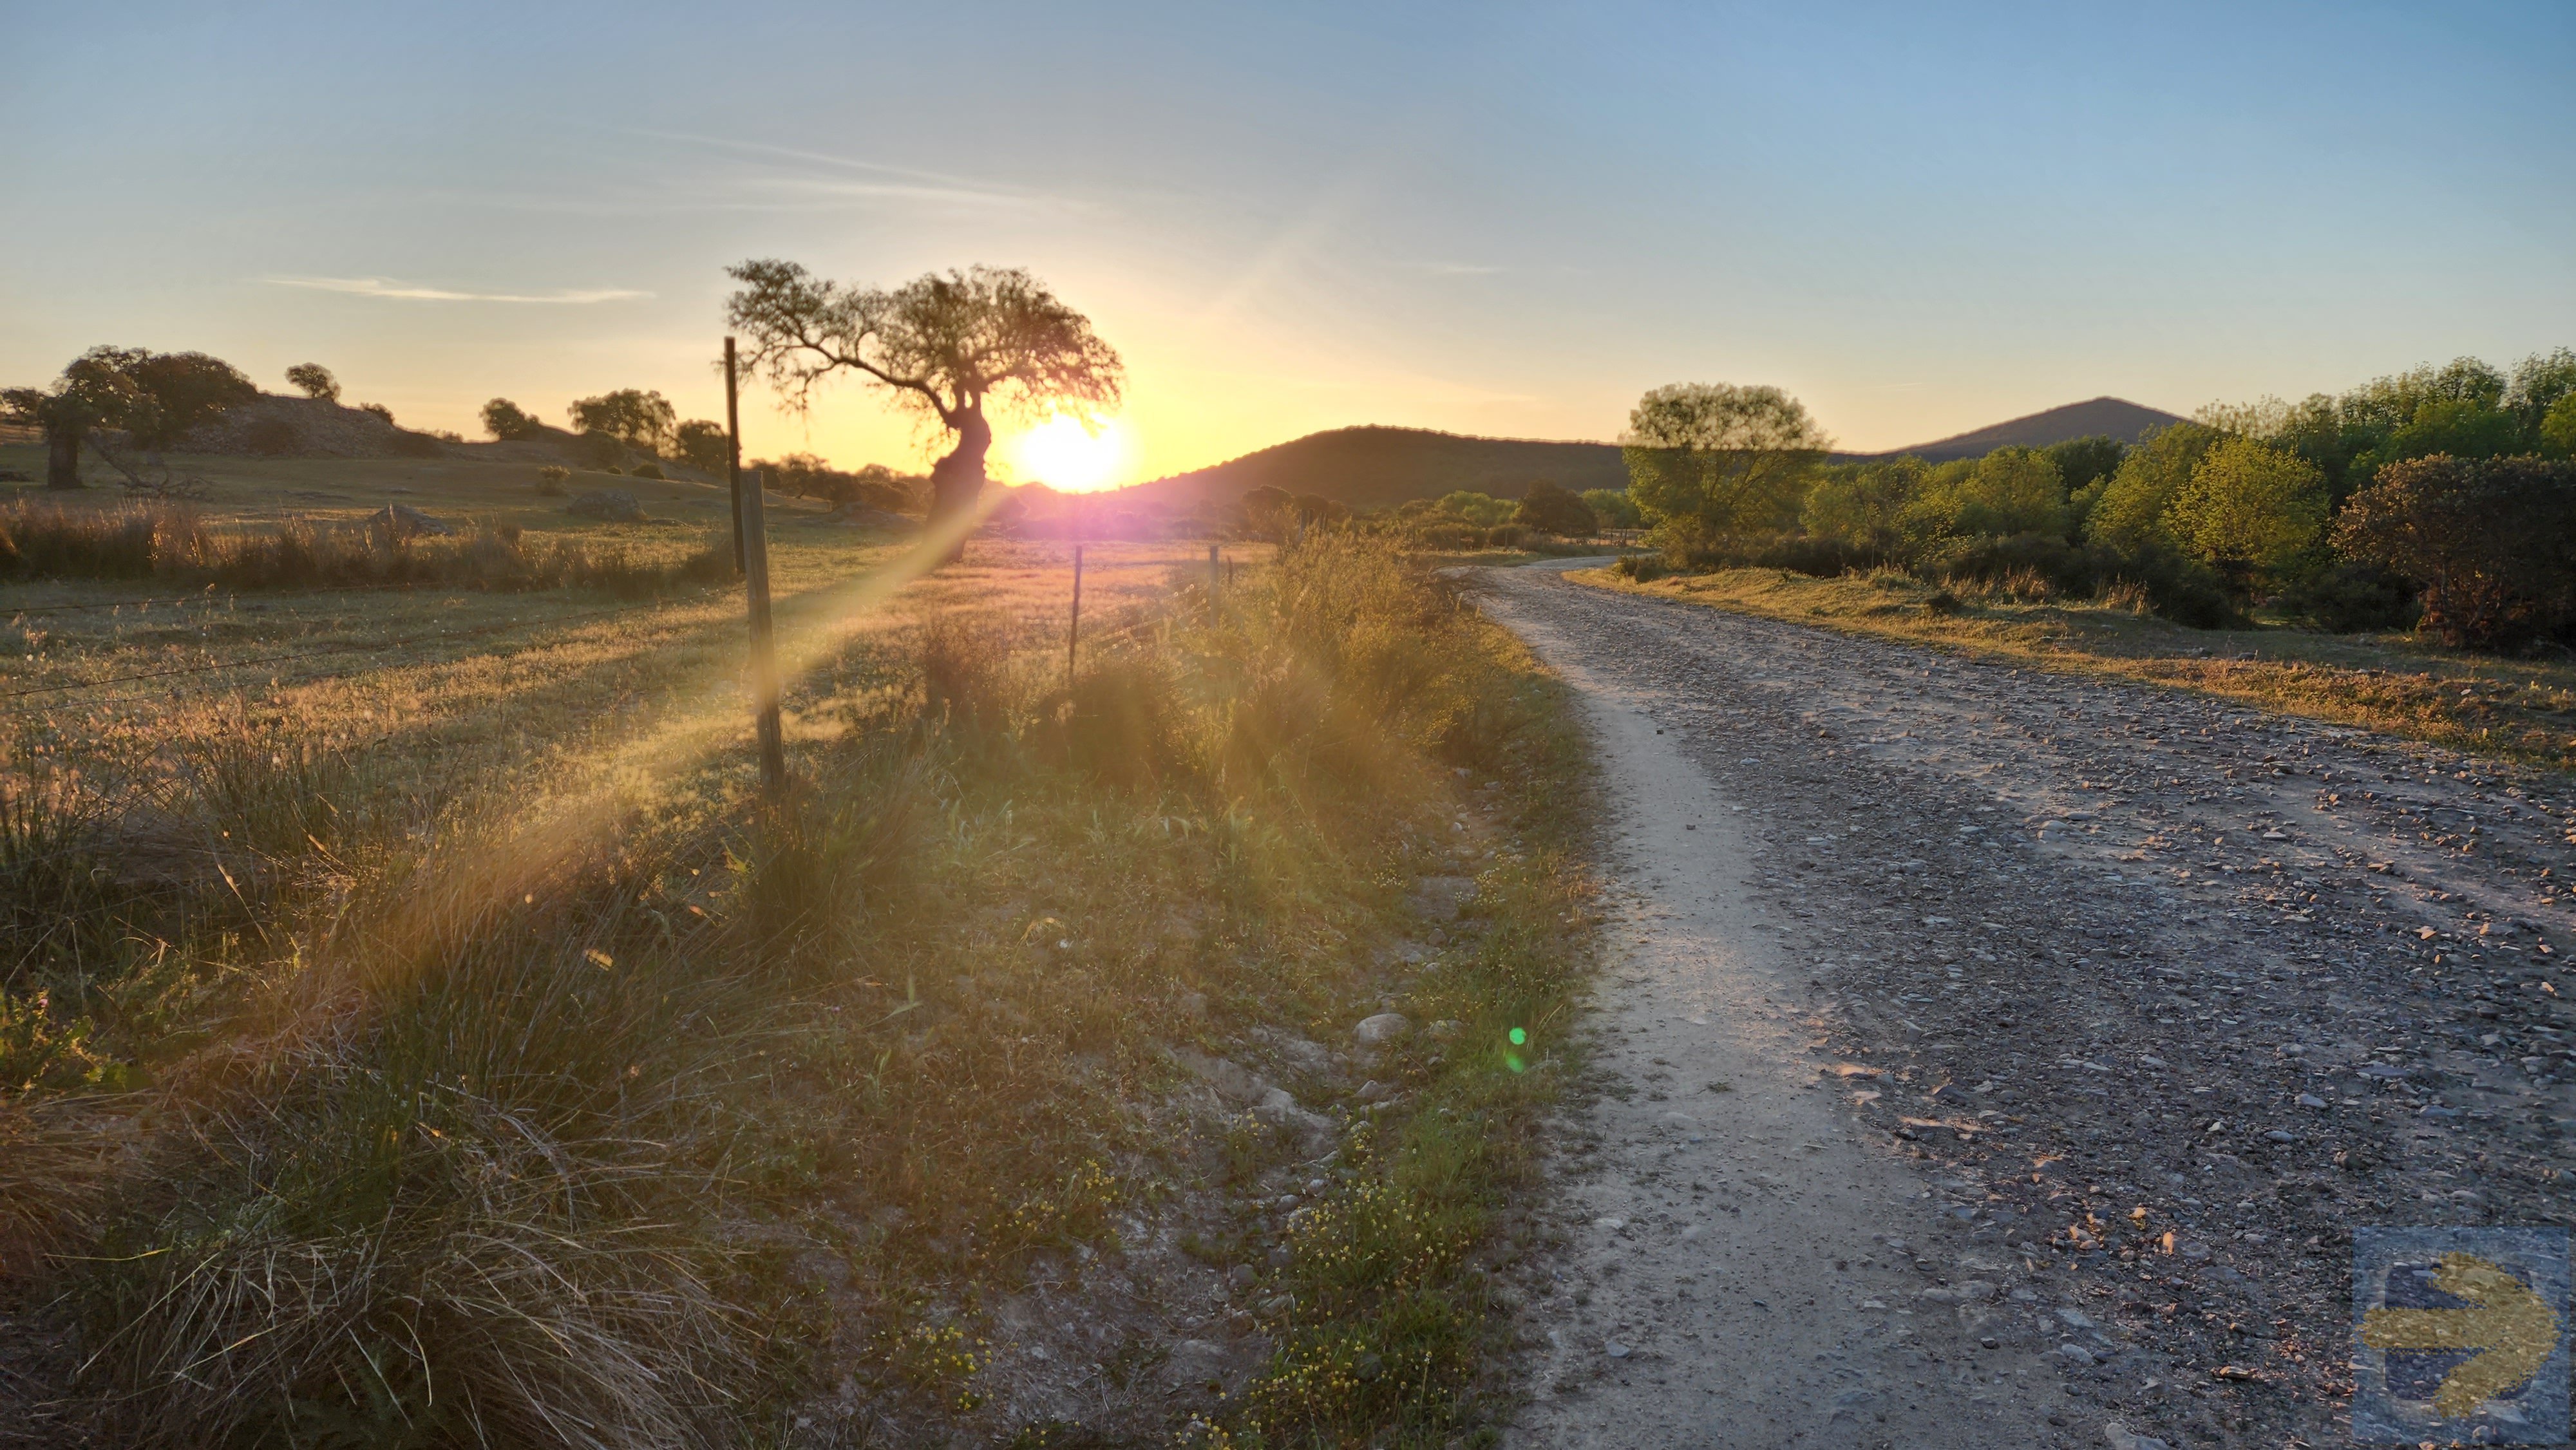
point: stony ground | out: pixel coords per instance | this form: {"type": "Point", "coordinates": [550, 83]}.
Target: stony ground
{"type": "Point", "coordinates": [2152, 997]}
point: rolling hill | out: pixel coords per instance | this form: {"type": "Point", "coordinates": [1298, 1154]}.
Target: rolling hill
{"type": "Point", "coordinates": [2112, 417]}
{"type": "Point", "coordinates": [1373, 467]}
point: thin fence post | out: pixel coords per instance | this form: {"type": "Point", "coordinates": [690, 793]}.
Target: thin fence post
{"type": "Point", "coordinates": [764, 644]}
{"type": "Point", "coordinates": [1215, 582]}
{"type": "Point", "coordinates": [1073, 630]}
{"type": "Point", "coordinates": [733, 455]}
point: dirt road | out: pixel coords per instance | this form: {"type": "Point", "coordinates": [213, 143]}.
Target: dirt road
{"type": "Point", "coordinates": [1995, 1057]}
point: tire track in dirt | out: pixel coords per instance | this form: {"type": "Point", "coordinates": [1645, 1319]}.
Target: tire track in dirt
{"type": "Point", "coordinates": [2118, 1006]}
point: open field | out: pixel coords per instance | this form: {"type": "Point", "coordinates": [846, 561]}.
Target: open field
{"type": "Point", "coordinates": [2520, 709]}
{"type": "Point", "coordinates": [417, 1028]}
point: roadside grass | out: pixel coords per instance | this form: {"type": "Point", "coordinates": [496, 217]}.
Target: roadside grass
{"type": "Point", "coordinates": [2520, 709]}
{"type": "Point", "coordinates": [586, 1104]}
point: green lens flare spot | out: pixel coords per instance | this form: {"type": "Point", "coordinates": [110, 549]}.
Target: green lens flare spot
{"type": "Point", "coordinates": [1513, 1061]}
{"type": "Point", "coordinates": [1520, 1038]}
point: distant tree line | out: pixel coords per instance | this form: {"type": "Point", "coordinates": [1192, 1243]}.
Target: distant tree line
{"type": "Point", "coordinates": [1459, 519]}
{"type": "Point", "coordinates": [2442, 495]}
{"type": "Point", "coordinates": [153, 399]}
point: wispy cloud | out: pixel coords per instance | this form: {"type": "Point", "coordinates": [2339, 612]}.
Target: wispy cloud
{"type": "Point", "coordinates": [835, 188]}
{"type": "Point", "coordinates": [386, 287]}
{"type": "Point", "coordinates": [892, 183]}
{"type": "Point", "coordinates": [1457, 269]}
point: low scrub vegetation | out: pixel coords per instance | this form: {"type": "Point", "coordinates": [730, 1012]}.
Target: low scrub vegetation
{"type": "Point", "coordinates": [2439, 495]}
{"type": "Point", "coordinates": [703, 1120]}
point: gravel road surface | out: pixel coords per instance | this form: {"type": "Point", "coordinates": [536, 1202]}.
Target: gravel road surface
{"type": "Point", "coordinates": [1990, 1056]}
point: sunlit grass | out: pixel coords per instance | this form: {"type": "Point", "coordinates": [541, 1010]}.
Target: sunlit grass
{"type": "Point", "coordinates": [504, 1064]}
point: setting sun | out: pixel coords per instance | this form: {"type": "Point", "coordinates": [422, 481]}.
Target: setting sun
{"type": "Point", "coordinates": [1069, 457]}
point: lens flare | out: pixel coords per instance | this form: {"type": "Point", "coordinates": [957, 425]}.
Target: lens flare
{"type": "Point", "coordinates": [1071, 456]}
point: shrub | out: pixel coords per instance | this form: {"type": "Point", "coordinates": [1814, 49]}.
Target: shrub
{"type": "Point", "coordinates": [2183, 589]}
{"type": "Point", "coordinates": [2350, 597]}
{"type": "Point", "coordinates": [2130, 511]}
{"type": "Point", "coordinates": [2558, 427]}
{"type": "Point", "coordinates": [645, 470]}
{"type": "Point", "coordinates": [552, 480]}
{"type": "Point", "coordinates": [1643, 568]}
{"type": "Point", "coordinates": [1864, 502]}
{"type": "Point", "coordinates": [1612, 507]}
{"type": "Point", "coordinates": [613, 468]}
{"type": "Point", "coordinates": [2009, 491]}
{"type": "Point", "coordinates": [1548, 509]}
{"type": "Point", "coordinates": [1478, 509]}
{"type": "Point", "coordinates": [1447, 536]}
{"type": "Point", "coordinates": [504, 419]}
{"type": "Point", "coordinates": [2490, 544]}
{"type": "Point", "coordinates": [2251, 510]}
{"type": "Point", "coordinates": [379, 409]}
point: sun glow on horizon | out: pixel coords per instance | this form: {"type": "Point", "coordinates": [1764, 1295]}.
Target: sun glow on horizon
{"type": "Point", "coordinates": [1070, 457]}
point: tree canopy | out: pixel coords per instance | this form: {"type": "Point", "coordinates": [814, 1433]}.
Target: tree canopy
{"type": "Point", "coordinates": [950, 347]}
{"type": "Point", "coordinates": [633, 416]}
{"type": "Point", "coordinates": [505, 420]}
{"type": "Point", "coordinates": [1551, 510]}
{"type": "Point", "coordinates": [154, 397]}
{"type": "Point", "coordinates": [314, 381]}
{"type": "Point", "coordinates": [702, 445]}
{"type": "Point", "coordinates": [2251, 509]}
{"type": "Point", "coordinates": [1719, 458]}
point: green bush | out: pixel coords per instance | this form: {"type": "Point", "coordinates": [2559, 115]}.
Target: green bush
{"type": "Point", "coordinates": [645, 470]}
{"type": "Point", "coordinates": [1548, 509]}
{"type": "Point", "coordinates": [2350, 597]}
{"type": "Point", "coordinates": [2251, 510]}
{"type": "Point", "coordinates": [1612, 507]}
{"type": "Point", "coordinates": [2491, 544]}
{"type": "Point", "coordinates": [2009, 491]}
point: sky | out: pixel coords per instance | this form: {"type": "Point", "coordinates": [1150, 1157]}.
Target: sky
{"type": "Point", "coordinates": [1492, 218]}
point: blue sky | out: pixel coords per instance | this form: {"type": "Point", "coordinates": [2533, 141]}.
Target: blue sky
{"type": "Point", "coordinates": [1505, 219]}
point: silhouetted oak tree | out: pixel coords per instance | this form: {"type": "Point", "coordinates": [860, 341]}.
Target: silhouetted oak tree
{"type": "Point", "coordinates": [948, 347]}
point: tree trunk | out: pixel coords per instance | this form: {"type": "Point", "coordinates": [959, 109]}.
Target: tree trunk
{"type": "Point", "coordinates": [62, 457]}
{"type": "Point", "coordinates": [957, 481]}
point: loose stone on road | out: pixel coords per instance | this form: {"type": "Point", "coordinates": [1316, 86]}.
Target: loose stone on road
{"type": "Point", "coordinates": [1994, 1057]}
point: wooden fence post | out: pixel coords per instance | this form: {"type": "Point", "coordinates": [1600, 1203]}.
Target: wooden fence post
{"type": "Point", "coordinates": [733, 456]}
{"type": "Point", "coordinates": [1073, 631]}
{"type": "Point", "coordinates": [764, 644]}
